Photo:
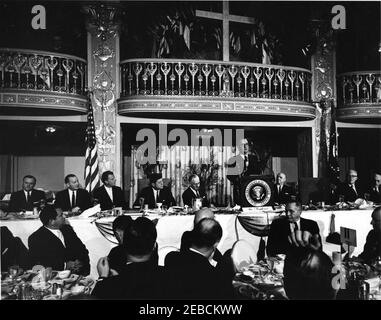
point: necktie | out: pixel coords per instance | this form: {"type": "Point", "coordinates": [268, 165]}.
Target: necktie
{"type": "Point", "coordinates": [73, 200]}
{"type": "Point", "coordinates": [158, 196]}
{"type": "Point", "coordinates": [197, 194]}
{"type": "Point", "coordinates": [279, 189]}
{"type": "Point", "coordinates": [246, 162]}
{"type": "Point", "coordinates": [296, 226]}
{"type": "Point", "coordinates": [354, 189]}
{"type": "Point", "coordinates": [28, 197]}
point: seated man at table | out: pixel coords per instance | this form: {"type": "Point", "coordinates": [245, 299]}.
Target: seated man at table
{"type": "Point", "coordinates": [155, 193]}
{"type": "Point", "coordinates": [109, 195]}
{"type": "Point", "coordinates": [27, 198]}
{"type": "Point", "coordinates": [73, 198]}
{"type": "Point", "coordinates": [56, 244]}
{"type": "Point", "coordinates": [192, 274]}
{"type": "Point", "coordinates": [282, 192]}
{"type": "Point", "coordinates": [308, 276]}
{"type": "Point", "coordinates": [194, 192]}
{"type": "Point", "coordinates": [13, 251]}
{"type": "Point", "coordinates": [350, 189]}
{"type": "Point", "coordinates": [372, 247]}
{"type": "Point", "coordinates": [375, 190]}
{"type": "Point", "coordinates": [281, 229]}
{"type": "Point", "coordinates": [141, 277]}
{"type": "Point", "coordinates": [186, 238]}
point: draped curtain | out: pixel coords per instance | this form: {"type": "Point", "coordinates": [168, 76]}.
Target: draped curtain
{"type": "Point", "coordinates": [178, 160]}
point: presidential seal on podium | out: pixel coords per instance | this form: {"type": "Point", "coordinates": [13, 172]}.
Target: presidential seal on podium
{"type": "Point", "coordinates": [256, 191]}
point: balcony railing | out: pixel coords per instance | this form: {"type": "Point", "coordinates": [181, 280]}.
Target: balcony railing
{"type": "Point", "coordinates": [42, 71]}
{"type": "Point", "coordinates": [159, 77]}
{"type": "Point", "coordinates": [362, 87]}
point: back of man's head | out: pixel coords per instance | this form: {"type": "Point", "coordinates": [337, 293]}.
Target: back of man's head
{"type": "Point", "coordinates": [308, 276]}
{"type": "Point", "coordinates": [206, 233]}
{"type": "Point", "coordinates": [140, 237]}
{"type": "Point", "coordinates": [48, 213]}
{"type": "Point", "coordinates": [202, 214]}
{"type": "Point", "coordinates": [121, 223]}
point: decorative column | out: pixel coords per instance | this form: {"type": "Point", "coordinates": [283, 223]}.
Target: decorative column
{"type": "Point", "coordinates": [323, 65]}
{"type": "Point", "coordinates": [103, 74]}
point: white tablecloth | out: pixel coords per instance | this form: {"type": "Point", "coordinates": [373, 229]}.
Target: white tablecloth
{"type": "Point", "coordinates": [170, 229]}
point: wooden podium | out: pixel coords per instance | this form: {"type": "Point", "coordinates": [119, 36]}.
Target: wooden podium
{"type": "Point", "coordinates": [257, 191]}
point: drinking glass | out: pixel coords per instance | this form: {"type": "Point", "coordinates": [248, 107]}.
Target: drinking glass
{"type": "Point", "coordinates": [159, 204]}
{"type": "Point", "coordinates": [13, 271]}
{"type": "Point", "coordinates": [141, 202]}
{"type": "Point", "coordinates": [366, 196]}
{"type": "Point", "coordinates": [165, 208]}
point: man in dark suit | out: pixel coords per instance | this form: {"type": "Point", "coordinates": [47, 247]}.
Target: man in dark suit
{"type": "Point", "coordinates": [141, 277]}
{"type": "Point", "coordinates": [283, 230]}
{"type": "Point", "coordinates": [192, 274]}
{"type": "Point", "coordinates": [372, 247]}
{"type": "Point", "coordinates": [350, 189]}
{"type": "Point", "coordinates": [282, 192]}
{"type": "Point", "coordinates": [186, 238]}
{"type": "Point", "coordinates": [244, 164]}
{"type": "Point", "coordinates": [109, 196]}
{"type": "Point", "coordinates": [73, 198]}
{"type": "Point", "coordinates": [156, 193]}
{"type": "Point", "coordinates": [13, 251]}
{"type": "Point", "coordinates": [27, 198]}
{"type": "Point", "coordinates": [375, 190]}
{"type": "Point", "coordinates": [56, 244]}
{"type": "Point", "coordinates": [194, 192]}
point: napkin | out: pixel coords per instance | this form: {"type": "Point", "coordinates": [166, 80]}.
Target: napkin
{"type": "Point", "coordinates": [90, 212]}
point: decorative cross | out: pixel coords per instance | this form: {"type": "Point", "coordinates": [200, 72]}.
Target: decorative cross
{"type": "Point", "coordinates": [226, 18]}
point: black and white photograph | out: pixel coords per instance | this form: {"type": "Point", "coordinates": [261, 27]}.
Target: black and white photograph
{"type": "Point", "coordinates": [211, 151]}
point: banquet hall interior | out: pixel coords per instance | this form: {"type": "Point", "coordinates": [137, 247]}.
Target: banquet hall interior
{"type": "Point", "coordinates": [85, 85]}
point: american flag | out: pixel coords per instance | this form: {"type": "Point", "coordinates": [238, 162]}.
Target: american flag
{"type": "Point", "coordinates": [91, 163]}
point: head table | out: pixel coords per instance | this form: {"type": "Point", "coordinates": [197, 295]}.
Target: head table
{"type": "Point", "coordinates": [171, 228]}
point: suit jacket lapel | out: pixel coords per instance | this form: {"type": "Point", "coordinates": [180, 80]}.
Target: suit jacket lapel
{"type": "Point", "coordinates": [54, 238]}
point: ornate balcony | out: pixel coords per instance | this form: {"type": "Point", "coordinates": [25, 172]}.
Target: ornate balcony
{"type": "Point", "coordinates": [41, 83]}
{"type": "Point", "coordinates": [240, 91]}
{"type": "Point", "coordinates": [359, 97]}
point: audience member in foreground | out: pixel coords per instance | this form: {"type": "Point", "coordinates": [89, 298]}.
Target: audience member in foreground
{"type": "Point", "coordinates": [73, 198]}
{"type": "Point", "coordinates": [117, 257]}
{"type": "Point", "coordinates": [28, 197]}
{"type": "Point", "coordinates": [141, 277]}
{"type": "Point", "coordinates": [56, 244]}
{"type": "Point", "coordinates": [13, 251]}
{"type": "Point", "coordinates": [282, 229]}
{"type": "Point", "coordinates": [372, 247]}
{"type": "Point", "coordinates": [186, 239]}
{"type": "Point", "coordinates": [308, 276]}
{"type": "Point", "coordinates": [192, 275]}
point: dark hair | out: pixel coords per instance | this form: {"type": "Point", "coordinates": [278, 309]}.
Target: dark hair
{"type": "Point", "coordinates": [192, 176]}
{"type": "Point", "coordinates": [154, 177]}
{"type": "Point", "coordinates": [140, 237]}
{"type": "Point", "coordinates": [105, 175]}
{"type": "Point", "coordinates": [29, 177]}
{"type": "Point", "coordinates": [308, 276]}
{"type": "Point", "coordinates": [48, 213]}
{"type": "Point", "coordinates": [69, 176]}
{"type": "Point", "coordinates": [297, 203]}
{"type": "Point", "coordinates": [206, 233]}
{"type": "Point", "coordinates": [121, 223]}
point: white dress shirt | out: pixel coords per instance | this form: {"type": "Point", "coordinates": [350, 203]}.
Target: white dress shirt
{"type": "Point", "coordinates": [155, 194]}
{"type": "Point", "coordinates": [195, 192]}
{"type": "Point", "coordinates": [71, 196]}
{"type": "Point", "coordinates": [109, 192]}
{"type": "Point", "coordinates": [26, 194]}
{"type": "Point", "coordinates": [58, 234]}
{"type": "Point", "coordinates": [292, 226]}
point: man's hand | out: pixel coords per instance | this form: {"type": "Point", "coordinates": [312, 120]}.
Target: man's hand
{"type": "Point", "coordinates": [304, 239]}
{"type": "Point", "coordinates": [103, 267]}
{"type": "Point", "coordinates": [76, 210]}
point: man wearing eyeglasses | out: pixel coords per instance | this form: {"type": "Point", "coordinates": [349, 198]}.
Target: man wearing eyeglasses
{"type": "Point", "coordinates": [350, 189]}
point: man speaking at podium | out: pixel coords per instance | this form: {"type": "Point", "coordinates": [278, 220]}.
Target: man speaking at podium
{"type": "Point", "coordinates": [244, 164]}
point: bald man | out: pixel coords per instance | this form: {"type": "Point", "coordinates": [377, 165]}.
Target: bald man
{"type": "Point", "coordinates": [282, 192]}
{"type": "Point", "coordinates": [350, 189]}
{"type": "Point", "coordinates": [372, 247]}
{"type": "Point", "coordinates": [186, 239]}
